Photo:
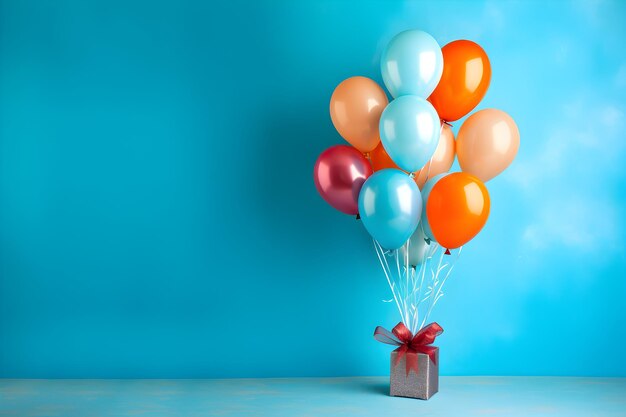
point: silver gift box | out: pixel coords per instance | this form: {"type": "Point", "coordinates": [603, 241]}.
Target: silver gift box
{"type": "Point", "coordinates": [422, 385]}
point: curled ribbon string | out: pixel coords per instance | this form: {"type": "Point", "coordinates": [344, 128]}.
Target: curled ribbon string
{"type": "Point", "coordinates": [409, 344]}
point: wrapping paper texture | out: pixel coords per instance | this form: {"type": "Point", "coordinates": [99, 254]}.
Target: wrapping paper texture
{"type": "Point", "coordinates": [422, 385]}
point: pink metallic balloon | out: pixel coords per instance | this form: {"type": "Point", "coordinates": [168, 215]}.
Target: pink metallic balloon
{"type": "Point", "coordinates": [339, 174]}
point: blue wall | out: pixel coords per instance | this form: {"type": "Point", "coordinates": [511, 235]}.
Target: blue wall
{"type": "Point", "coordinates": [158, 216]}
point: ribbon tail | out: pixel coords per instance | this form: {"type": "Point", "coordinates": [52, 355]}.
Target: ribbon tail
{"type": "Point", "coordinates": [412, 363]}
{"type": "Point", "coordinates": [402, 350]}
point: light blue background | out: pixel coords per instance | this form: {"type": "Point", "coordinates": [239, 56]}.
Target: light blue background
{"type": "Point", "coordinates": [158, 216]}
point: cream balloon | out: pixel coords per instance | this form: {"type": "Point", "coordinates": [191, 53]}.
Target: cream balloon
{"type": "Point", "coordinates": [487, 143]}
{"type": "Point", "coordinates": [442, 159]}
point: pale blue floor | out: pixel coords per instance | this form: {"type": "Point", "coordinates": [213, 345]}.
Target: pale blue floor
{"type": "Point", "coordinates": [315, 397]}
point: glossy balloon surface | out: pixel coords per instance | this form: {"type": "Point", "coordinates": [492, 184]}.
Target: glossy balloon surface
{"type": "Point", "coordinates": [411, 64]}
{"type": "Point", "coordinates": [424, 225]}
{"type": "Point", "coordinates": [464, 82]}
{"type": "Point", "coordinates": [355, 109]}
{"type": "Point", "coordinates": [339, 174]}
{"type": "Point", "coordinates": [487, 144]}
{"type": "Point", "coordinates": [409, 131]}
{"type": "Point", "coordinates": [390, 206]}
{"type": "Point", "coordinates": [457, 209]}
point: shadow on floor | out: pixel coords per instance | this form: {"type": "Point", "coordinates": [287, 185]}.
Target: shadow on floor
{"type": "Point", "coordinates": [373, 387]}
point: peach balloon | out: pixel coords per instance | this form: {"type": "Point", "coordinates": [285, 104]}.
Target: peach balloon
{"type": "Point", "coordinates": [355, 109]}
{"type": "Point", "coordinates": [487, 143]}
{"type": "Point", "coordinates": [442, 159]}
{"type": "Point", "coordinates": [441, 162]}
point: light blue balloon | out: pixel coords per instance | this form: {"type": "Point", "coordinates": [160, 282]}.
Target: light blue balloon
{"type": "Point", "coordinates": [410, 130]}
{"type": "Point", "coordinates": [425, 194]}
{"type": "Point", "coordinates": [390, 206]}
{"type": "Point", "coordinates": [412, 64]}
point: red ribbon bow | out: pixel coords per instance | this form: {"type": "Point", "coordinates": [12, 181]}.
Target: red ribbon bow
{"type": "Point", "coordinates": [410, 345]}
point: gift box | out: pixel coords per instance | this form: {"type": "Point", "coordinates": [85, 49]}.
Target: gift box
{"type": "Point", "coordinates": [422, 384]}
{"type": "Point", "coordinates": [414, 364]}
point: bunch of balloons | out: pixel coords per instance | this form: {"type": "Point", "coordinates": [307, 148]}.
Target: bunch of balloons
{"type": "Point", "coordinates": [395, 174]}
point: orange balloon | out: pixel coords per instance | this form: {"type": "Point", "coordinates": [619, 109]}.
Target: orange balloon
{"type": "Point", "coordinates": [380, 159]}
{"type": "Point", "coordinates": [465, 79]}
{"type": "Point", "coordinates": [487, 143]}
{"type": "Point", "coordinates": [441, 161]}
{"type": "Point", "coordinates": [355, 109]}
{"type": "Point", "coordinates": [457, 209]}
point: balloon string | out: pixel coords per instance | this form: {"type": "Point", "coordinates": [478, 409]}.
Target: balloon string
{"type": "Point", "coordinates": [396, 254]}
{"type": "Point", "coordinates": [415, 293]}
{"type": "Point", "coordinates": [415, 303]}
{"type": "Point", "coordinates": [406, 271]}
{"type": "Point", "coordinates": [419, 293]}
{"type": "Point", "coordinates": [430, 294]}
{"type": "Point", "coordinates": [439, 292]}
{"type": "Point", "coordinates": [410, 288]}
{"type": "Point", "coordinates": [381, 255]}
{"type": "Point", "coordinates": [396, 285]}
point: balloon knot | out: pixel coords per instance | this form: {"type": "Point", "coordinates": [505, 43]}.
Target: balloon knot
{"type": "Point", "coordinates": [447, 251]}
{"type": "Point", "coordinates": [358, 216]}
{"type": "Point", "coordinates": [446, 123]}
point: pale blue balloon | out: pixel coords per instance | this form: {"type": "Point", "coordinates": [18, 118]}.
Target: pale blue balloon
{"type": "Point", "coordinates": [390, 206]}
{"type": "Point", "coordinates": [412, 64]}
{"type": "Point", "coordinates": [410, 130]}
{"type": "Point", "coordinates": [420, 248]}
{"type": "Point", "coordinates": [425, 194]}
